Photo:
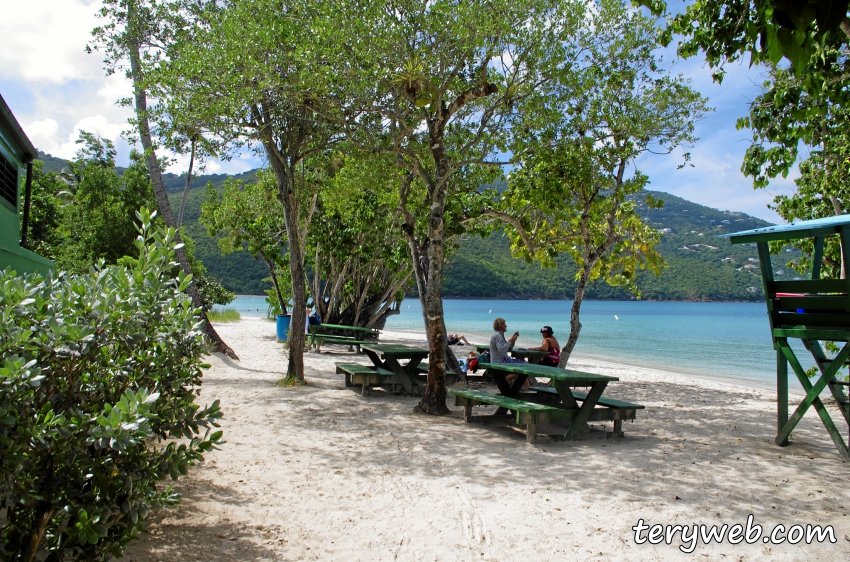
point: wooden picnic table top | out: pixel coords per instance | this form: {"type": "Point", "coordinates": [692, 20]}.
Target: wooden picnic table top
{"type": "Point", "coordinates": [522, 353]}
{"type": "Point", "coordinates": [395, 350]}
{"type": "Point", "coordinates": [557, 373]}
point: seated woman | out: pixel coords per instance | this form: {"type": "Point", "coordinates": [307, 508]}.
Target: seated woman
{"type": "Point", "coordinates": [551, 346]}
{"type": "Point", "coordinates": [455, 339]}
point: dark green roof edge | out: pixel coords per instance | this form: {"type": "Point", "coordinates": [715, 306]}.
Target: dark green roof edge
{"type": "Point", "coordinates": [8, 121]}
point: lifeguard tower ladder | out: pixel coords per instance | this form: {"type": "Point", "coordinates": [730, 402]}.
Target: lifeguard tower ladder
{"type": "Point", "coordinates": [812, 310]}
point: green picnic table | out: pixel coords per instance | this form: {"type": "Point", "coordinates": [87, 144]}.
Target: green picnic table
{"type": "Point", "coordinates": [316, 336]}
{"type": "Point", "coordinates": [548, 404]}
{"type": "Point", "coordinates": [389, 357]}
{"type": "Point", "coordinates": [811, 310]}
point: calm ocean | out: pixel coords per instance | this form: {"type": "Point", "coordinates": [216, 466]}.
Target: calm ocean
{"type": "Point", "coordinates": [728, 341]}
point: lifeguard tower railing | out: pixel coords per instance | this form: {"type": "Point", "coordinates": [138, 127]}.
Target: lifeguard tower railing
{"type": "Point", "coordinates": [813, 310]}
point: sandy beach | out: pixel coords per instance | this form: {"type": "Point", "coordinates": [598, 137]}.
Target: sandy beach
{"type": "Point", "coordinates": [323, 473]}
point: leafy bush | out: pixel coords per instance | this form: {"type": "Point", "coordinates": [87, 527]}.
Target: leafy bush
{"type": "Point", "coordinates": [98, 383]}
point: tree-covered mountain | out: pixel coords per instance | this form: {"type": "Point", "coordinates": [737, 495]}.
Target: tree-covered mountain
{"type": "Point", "coordinates": [701, 265]}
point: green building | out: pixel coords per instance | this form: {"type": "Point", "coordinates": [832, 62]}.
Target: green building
{"type": "Point", "coordinates": [16, 156]}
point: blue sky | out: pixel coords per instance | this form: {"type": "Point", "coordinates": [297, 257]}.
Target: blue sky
{"type": "Point", "coordinates": [55, 90]}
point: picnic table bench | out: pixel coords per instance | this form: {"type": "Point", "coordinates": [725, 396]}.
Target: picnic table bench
{"type": "Point", "coordinates": [812, 310]}
{"type": "Point", "coordinates": [528, 413]}
{"type": "Point", "coordinates": [316, 337]}
{"type": "Point", "coordinates": [618, 410]}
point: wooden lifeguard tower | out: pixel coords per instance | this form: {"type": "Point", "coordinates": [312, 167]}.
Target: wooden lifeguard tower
{"type": "Point", "coordinates": [812, 310]}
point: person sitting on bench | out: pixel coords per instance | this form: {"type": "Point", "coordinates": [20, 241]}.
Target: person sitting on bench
{"type": "Point", "coordinates": [499, 347]}
{"type": "Point", "coordinates": [551, 346]}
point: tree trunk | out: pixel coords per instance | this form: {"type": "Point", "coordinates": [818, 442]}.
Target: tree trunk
{"type": "Point", "coordinates": [284, 171]}
{"type": "Point", "coordinates": [155, 173]}
{"type": "Point", "coordinates": [575, 324]}
{"type": "Point", "coordinates": [44, 512]}
{"type": "Point", "coordinates": [434, 398]}
{"type": "Point", "coordinates": [298, 324]}
{"type": "Point", "coordinates": [186, 187]}
{"type": "Point", "coordinates": [271, 267]}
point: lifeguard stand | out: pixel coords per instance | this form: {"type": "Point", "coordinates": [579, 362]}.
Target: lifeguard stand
{"type": "Point", "coordinates": [812, 310]}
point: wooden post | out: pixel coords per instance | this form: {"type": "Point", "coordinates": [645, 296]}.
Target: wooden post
{"type": "Point", "coordinates": [781, 396]}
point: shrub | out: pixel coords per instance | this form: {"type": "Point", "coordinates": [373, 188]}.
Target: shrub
{"type": "Point", "coordinates": [98, 383]}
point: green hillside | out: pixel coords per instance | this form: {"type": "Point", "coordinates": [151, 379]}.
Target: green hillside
{"type": "Point", "coordinates": [701, 266]}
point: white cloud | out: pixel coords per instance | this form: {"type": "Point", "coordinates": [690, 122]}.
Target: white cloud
{"type": "Point", "coordinates": [115, 87]}
{"type": "Point", "coordinates": [180, 164]}
{"type": "Point", "coordinates": [46, 136]}
{"type": "Point", "coordinates": [46, 40]}
{"type": "Point", "coordinates": [43, 134]}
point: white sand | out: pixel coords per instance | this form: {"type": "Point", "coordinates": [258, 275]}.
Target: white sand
{"type": "Point", "coordinates": [321, 473]}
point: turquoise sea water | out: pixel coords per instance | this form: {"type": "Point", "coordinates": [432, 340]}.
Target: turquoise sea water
{"type": "Point", "coordinates": [728, 341]}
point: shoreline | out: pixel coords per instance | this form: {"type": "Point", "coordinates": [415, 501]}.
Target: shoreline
{"type": "Point", "coordinates": [598, 365]}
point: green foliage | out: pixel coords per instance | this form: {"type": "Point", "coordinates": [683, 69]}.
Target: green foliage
{"type": "Point", "coordinates": [226, 315]}
{"type": "Point", "coordinates": [769, 30]}
{"type": "Point", "coordinates": [97, 220]}
{"type": "Point", "coordinates": [580, 136]}
{"type": "Point", "coordinates": [45, 219]}
{"type": "Point", "coordinates": [360, 258]}
{"type": "Point", "coordinates": [97, 402]}
{"type": "Point", "coordinates": [251, 217]}
{"type": "Point", "coordinates": [789, 124]}
{"type": "Point", "coordinates": [88, 214]}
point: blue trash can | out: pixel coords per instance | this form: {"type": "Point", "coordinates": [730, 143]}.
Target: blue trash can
{"type": "Point", "coordinates": [283, 321]}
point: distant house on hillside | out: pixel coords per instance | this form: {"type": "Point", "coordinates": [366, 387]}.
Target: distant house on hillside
{"type": "Point", "coordinates": [16, 156]}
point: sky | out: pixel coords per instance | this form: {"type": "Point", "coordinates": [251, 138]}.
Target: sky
{"type": "Point", "coordinates": [55, 89]}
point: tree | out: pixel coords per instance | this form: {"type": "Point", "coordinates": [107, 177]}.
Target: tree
{"type": "Point", "coordinates": [801, 103]}
{"type": "Point", "coordinates": [44, 236]}
{"type": "Point", "coordinates": [251, 216]}
{"type": "Point", "coordinates": [573, 191]}
{"type": "Point", "coordinates": [97, 219]}
{"type": "Point", "coordinates": [138, 31]}
{"type": "Point", "coordinates": [239, 64]}
{"type": "Point", "coordinates": [434, 85]}
{"type": "Point", "coordinates": [361, 265]}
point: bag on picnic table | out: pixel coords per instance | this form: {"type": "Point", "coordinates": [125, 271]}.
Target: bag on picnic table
{"type": "Point", "coordinates": [484, 357]}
